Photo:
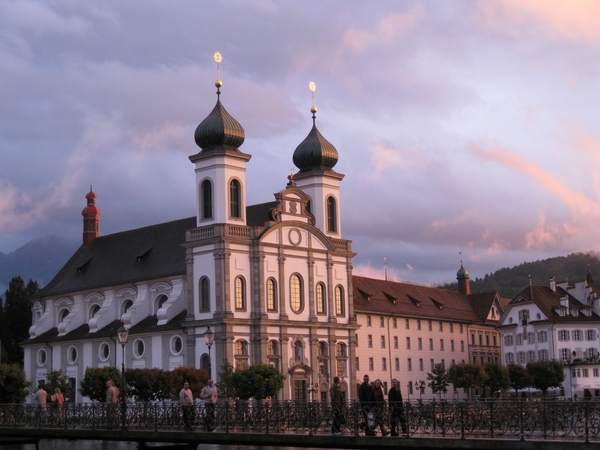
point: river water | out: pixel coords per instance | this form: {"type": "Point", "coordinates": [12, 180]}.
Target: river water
{"type": "Point", "coordinates": [52, 444]}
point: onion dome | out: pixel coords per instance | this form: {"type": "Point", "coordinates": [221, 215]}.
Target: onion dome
{"type": "Point", "coordinates": [462, 272]}
{"type": "Point", "coordinates": [91, 207]}
{"type": "Point", "coordinates": [315, 152]}
{"type": "Point", "coordinates": [219, 130]}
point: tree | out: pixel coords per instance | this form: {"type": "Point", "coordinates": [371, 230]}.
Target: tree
{"type": "Point", "coordinates": [16, 317]}
{"type": "Point", "coordinates": [546, 374]}
{"type": "Point", "coordinates": [519, 377]}
{"type": "Point", "coordinates": [258, 381]}
{"type": "Point", "coordinates": [438, 379]}
{"type": "Point", "coordinates": [93, 384]}
{"type": "Point", "coordinates": [498, 378]}
{"type": "Point", "coordinates": [14, 386]}
{"type": "Point", "coordinates": [57, 379]}
{"type": "Point", "coordinates": [467, 376]}
{"type": "Point", "coordinates": [150, 384]}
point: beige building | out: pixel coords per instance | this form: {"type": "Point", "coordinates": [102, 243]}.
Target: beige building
{"type": "Point", "coordinates": [406, 329]}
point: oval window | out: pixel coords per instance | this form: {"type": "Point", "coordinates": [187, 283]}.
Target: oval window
{"type": "Point", "coordinates": [41, 357]}
{"type": "Point", "coordinates": [138, 348]}
{"type": "Point", "coordinates": [104, 351]}
{"type": "Point", "coordinates": [72, 355]}
{"type": "Point", "coordinates": [176, 345]}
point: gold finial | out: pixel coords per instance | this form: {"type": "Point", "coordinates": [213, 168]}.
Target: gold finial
{"type": "Point", "coordinates": [312, 88]}
{"type": "Point", "coordinates": [218, 58]}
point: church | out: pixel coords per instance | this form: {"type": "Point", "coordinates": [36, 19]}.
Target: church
{"type": "Point", "coordinates": [272, 282]}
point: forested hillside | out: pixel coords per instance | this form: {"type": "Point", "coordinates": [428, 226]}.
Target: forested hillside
{"type": "Point", "coordinates": [509, 282]}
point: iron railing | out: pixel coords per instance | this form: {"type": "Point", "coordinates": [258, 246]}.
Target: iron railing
{"type": "Point", "coordinates": [502, 419]}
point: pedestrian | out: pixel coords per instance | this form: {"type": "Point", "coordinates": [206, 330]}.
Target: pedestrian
{"type": "Point", "coordinates": [59, 399]}
{"type": "Point", "coordinates": [187, 406]}
{"type": "Point", "coordinates": [209, 396]}
{"type": "Point", "coordinates": [337, 403]}
{"type": "Point", "coordinates": [40, 397]}
{"type": "Point", "coordinates": [112, 397]}
{"type": "Point", "coordinates": [396, 409]}
{"type": "Point", "coordinates": [365, 406]}
{"type": "Point", "coordinates": [377, 403]}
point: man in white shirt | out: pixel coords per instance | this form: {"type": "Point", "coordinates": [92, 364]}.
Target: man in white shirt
{"type": "Point", "coordinates": [187, 406]}
{"type": "Point", "coordinates": [209, 396]}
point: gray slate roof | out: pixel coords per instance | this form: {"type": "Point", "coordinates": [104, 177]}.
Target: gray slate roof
{"type": "Point", "coordinates": [135, 255]}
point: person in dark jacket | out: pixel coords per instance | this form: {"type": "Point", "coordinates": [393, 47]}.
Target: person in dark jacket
{"type": "Point", "coordinates": [363, 397]}
{"type": "Point", "coordinates": [337, 402]}
{"type": "Point", "coordinates": [396, 408]}
{"type": "Point", "coordinates": [377, 403]}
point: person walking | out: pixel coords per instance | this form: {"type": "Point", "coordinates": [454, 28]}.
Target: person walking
{"type": "Point", "coordinates": [378, 403]}
{"type": "Point", "coordinates": [40, 397]}
{"type": "Point", "coordinates": [187, 406]}
{"type": "Point", "coordinates": [112, 398]}
{"type": "Point", "coordinates": [365, 406]}
{"type": "Point", "coordinates": [59, 399]}
{"type": "Point", "coordinates": [396, 409]}
{"type": "Point", "coordinates": [337, 403]}
{"type": "Point", "coordinates": [209, 396]}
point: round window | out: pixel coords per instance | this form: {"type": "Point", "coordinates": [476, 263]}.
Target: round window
{"type": "Point", "coordinates": [176, 345]}
{"type": "Point", "coordinates": [41, 357]}
{"type": "Point", "coordinates": [138, 348]}
{"type": "Point", "coordinates": [72, 355]}
{"type": "Point", "coordinates": [104, 351]}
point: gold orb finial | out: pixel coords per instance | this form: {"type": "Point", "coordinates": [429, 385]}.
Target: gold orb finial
{"type": "Point", "coordinates": [312, 86]}
{"type": "Point", "coordinates": [218, 59]}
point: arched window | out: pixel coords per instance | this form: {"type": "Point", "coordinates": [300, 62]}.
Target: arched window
{"type": "Point", "coordinates": [296, 294]}
{"type": "Point", "coordinates": [93, 310]}
{"type": "Point", "coordinates": [331, 215]}
{"type": "Point", "coordinates": [206, 189]}
{"type": "Point", "coordinates": [339, 301]}
{"type": "Point", "coordinates": [160, 301]}
{"type": "Point", "coordinates": [126, 305]}
{"type": "Point", "coordinates": [234, 199]}
{"type": "Point", "coordinates": [323, 349]}
{"type": "Point", "coordinates": [205, 361]}
{"type": "Point", "coordinates": [341, 349]}
{"type": "Point", "coordinates": [320, 294]}
{"type": "Point", "coordinates": [62, 315]}
{"type": "Point", "coordinates": [273, 348]}
{"type": "Point", "coordinates": [241, 348]}
{"type": "Point", "coordinates": [240, 293]}
{"type": "Point", "coordinates": [204, 294]}
{"type": "Point", "coordinates": [271, 294]}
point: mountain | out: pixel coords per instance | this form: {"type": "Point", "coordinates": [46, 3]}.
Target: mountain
{"type": "Point", "coordinates": [509, 282]}
{"type": "Point", "coordinates": [39, 260]}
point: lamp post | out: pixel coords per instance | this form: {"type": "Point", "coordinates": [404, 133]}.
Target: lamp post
{"type": "Point", "coordinates": [209, 337]}
{"type": "Point", "coordinates": [123, 334]}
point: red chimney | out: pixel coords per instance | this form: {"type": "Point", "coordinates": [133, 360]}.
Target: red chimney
{"type": "Point", "coordinates": [91, 219]}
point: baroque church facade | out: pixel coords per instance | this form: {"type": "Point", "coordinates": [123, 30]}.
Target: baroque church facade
{"type": "Point", "coordinates": [273, 281]}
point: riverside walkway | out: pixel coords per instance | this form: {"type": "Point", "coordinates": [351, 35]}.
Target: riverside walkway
{"type": "Point", "coordinates": [523, 425]}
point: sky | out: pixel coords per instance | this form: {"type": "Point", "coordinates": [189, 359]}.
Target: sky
{"type": "Point", "coordinates": [465, 129]}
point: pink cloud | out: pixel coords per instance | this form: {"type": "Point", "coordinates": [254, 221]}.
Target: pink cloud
{"type": "Point", "coordinates": [574, 20]}
{"type": "Point", "coordinates": [577, 202]}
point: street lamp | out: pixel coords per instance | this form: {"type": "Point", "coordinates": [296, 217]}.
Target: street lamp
{"type": "Point", "coordinates": [209, 337]}
{"type": "Point", "coordinates": [123, 334]}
